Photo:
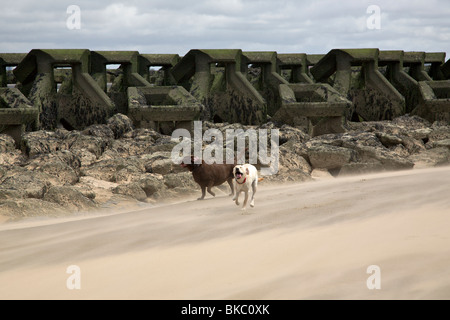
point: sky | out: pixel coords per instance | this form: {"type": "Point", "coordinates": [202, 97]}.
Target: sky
{"type": "Point", "coordinates": [169, 26]}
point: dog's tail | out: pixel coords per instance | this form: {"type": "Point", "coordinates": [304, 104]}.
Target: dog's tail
{"type": "Point", "coordinates": [260, 179]}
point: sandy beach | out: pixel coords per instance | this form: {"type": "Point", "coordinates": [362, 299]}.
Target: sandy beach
{"type": "Point", "coordinates": [312, 240]}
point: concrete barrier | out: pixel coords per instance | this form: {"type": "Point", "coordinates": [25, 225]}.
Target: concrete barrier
{"type": "Point", "coordinates": [82, 103]}
{"type": "Point", "coordinates": [77, 87]}
{"type": "Point", "coordinates": [297, 67]}
{"type": "Point", "coordinates": [435, 60]}
{"type": "Point", "coordinates": [354, 73]}
{"type": "Point", "coordinates": [318, 108]}
{"type": "Point", "coordinates": [434, 104]}
{"type": "Point", "coordinates": [215, 79]}
{"type": "Point", "coordinates": [165, 61]}
{"type": "Point", "coordinates": [399, 78]}
{"type": "Point", "coordinates": [414, 61]}
{"type": "Point", "coordinates": [163, 108]}
{"type": "Point", "coordinates": [17, 113]}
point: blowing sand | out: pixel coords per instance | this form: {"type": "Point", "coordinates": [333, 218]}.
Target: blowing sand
{"type": "Point", "coordinates": [310, 240]}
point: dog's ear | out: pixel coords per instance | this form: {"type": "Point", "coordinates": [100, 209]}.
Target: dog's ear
{"type": "Point", "coordinates": [246, 170]}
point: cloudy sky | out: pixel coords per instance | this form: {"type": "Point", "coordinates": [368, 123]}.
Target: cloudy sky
{"type": "Point", "coordinates": [169, 26]}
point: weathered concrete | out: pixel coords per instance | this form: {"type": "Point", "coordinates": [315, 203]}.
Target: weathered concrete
{"type": "Point", "coordinates": [76, 88]}
{"type": "Point", "coordinates": [445, 70]}
{"type": "Point", "coordinates": [318, 108]}
{"type": "Point", "coordinates": [415, 62]}
{"type": "Point", "coordinates": [215, 79]}
{"type": "Point", "coordinates": [269, 79]}
{"type": "Point", "coordinates": [297, 67]}
{"type": "Point", "coordinates": [434, 104]}
{"type": "Point", "coordinates": [436, 60]}
{"type": "Point", "coordinates": [8, 60]}
{"type": "Point", "coordinates": [162, 108]}
{"type": "Point", "coordinates": [16, 112]}
{"type": "Point", "coordinates": [127, 77]}
{"type": "Point", "coordinates": [311, 61]}
{"type": "Point", "coordinates": [165, 61]}
{"type": "Point", "coordinates": [86, 104]}
{"type": "Point", "coordinates": [399, 78]}
{"type": "Point", "coordinates": [356, 76]}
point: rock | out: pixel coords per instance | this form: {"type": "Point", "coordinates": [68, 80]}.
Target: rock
{"type": "Point", "coordinates": [41, 142]}
{"type": "Point", "coordinates": [400, 150]}
{"type": "Point", "coordinates": [69, 198]}
{"type": "Point", "coordinates": [162, 166]}
{"type": "Point", "coordinates": [152, 185]}
{"type": "Point", "coordinates": [329, 156]}
{"type": "Point", "coordinates": [110, 163]}
{"type": "Point", "coordinates": [7, 143]}
{"type": "Point", "coordinates": [80, 143]}
{"type": "Point", "coordinates": [100, 131]}
{"type": "Point", "coordinates": [388, 160]}
{"type": "Point", "coordinates": [120, 124]}
{"type": "Point", "coordinates": [64, 156]}
{"type": "Point", "coordinates": [63, 173]}
{"type": "Point", "coordinates": [128, 173]}
{"type": "Point", "coordinates": [420, 134]}
{"type": "Point", "coordinates": [292, 157]}
{"type": "Point", "coordinates": [24, 208]}
{"type": "Point", "coordinates": [12, 158]}
{"type": "Point", "coordinates": [431, 158]}
{"type": "Point", "coordinates": [63, 166]}
{"type": "Point", "coordinates": [22, 183]}
{"type": "Point", "coordinates": [333, 151]}
{"type": "Point", "coordinates": [440, 133]}
{"type": "Point", "coordinates": [441, 143]}
{"type": "Point", "coordinates": [86, 157]}
{"type": "Point", "coordinates": [132, 189]}
{"type": "Point", "coordinates": [389, 140]}
{"type": "Point", "coordinates": [411, 122]}
{"type": "Point", "coordinates": [181, 181]}
{"type": "Point", "coordinates": [109, 170]}
{"type": "Point", "coordinates": [413, 145]}
{"type": "Point", "coordinates": [288, 133]}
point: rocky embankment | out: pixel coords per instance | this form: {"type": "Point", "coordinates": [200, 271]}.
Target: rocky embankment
{"type": "Point", "coordinates": [64, 172]}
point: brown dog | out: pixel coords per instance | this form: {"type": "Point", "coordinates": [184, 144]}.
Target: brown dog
{"type": "Point", "coordinates": [209, 175]}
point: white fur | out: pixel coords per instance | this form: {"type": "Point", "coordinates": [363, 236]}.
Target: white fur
{"type": "Point", "coordinates": [250, 176]}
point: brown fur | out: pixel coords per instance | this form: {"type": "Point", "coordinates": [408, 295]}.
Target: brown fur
{"type": "Point", "coordinates": [210, 175]}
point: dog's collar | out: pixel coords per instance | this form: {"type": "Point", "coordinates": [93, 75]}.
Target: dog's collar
{"type": "Point", "coordinates": [242, 181]}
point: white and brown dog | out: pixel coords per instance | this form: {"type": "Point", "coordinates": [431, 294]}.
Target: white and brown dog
{"type": "Point", "coordinates": [245, 177]}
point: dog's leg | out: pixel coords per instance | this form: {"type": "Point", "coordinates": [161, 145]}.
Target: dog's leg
{"type": "Point", "coordinates": [203, 194]}
{"type": "Point", "coordinates": [236, 197]}
{"type": "Point", "coordinates": [252, 202]}
{"type": "Point", "coordinates": [210, 192]}
{"type": "Point", "coordinates": [230, 182]}
{"type": "Point", "coordinates": [245, 200]}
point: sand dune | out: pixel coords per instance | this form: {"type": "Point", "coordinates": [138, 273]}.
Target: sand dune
{"type": "Point", "coordinates": [311, 240]}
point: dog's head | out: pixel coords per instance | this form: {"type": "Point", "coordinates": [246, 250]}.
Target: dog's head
{"type": "Point", "coordinates": [240, 172]}
{"type": "Point", "coordinates": [190, 162]}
